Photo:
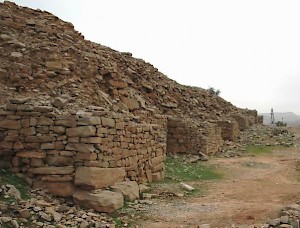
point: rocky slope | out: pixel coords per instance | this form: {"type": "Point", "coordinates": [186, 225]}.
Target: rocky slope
{"type": "Point", "coordinates": [43, 57]}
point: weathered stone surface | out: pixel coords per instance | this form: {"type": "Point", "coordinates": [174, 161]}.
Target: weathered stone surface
{"type": "Point", "coordinates": [42, 121]}
{"type": "Point", "coordinates": [129, 189]}
{"type": "Point", "coordinates": [24, 213]}
{"type": "Point", "coordinates": [54, 65]}
{"type": "Point", "coordinates": [14, 192]}
{"type": "Point", "coordinates": [85, 156]}
{"type": "Point", "coordinates": [47, 146]}
{"type": "Point", "coordinates": [66, 122]}
{"type": "Point", "coordinates": [108, 122]}
{"type": "Point", "coordinates": [284, 219]}
{"type": "Point", "coordinates": [19, 100]}
{"type": "Point", "coordinates": [170, 105]}
{"type": "Point", "coordinates": [204, 226]}
{"type": "Point", "coordinates": [24, 107]}
{"type": "Point", "coordinates": [10, 124]}
{"type": "Point", "coordinates": [6, 145]}
{"type": "Point", "coordinates": [18, 146]}
{"type": "Point", "coordinates": [40, 139]}
{"type": "Point", "coordinates": [57, 178]}
{"type": "Point", "coordinates": [132, 104]}
{"type": "Point", "coordinates": [52, 170]}
{"type": "Point", "coordinates": [31, 154]}
{"type": "Point", "coordinates": [80, 147]}
{"type": "Point", "coordinates": [16, 54]}
{"type": "Point", "coordinates": [101, 201]}
{"type": "Point", "coordinates": [83, 131]}
{"type": "Point", "coordinates": [43, 109]}
{"type": "Point", "coordinates": [60, 102]}
{"type": "Point", "coordinates": [63, 189]}
{"type": "Point", "coordinates": [60, 160]}
{"type": "Point", "coordinates": [94, 140]}
{"type": "Point", "coordinates": [118, 84]}
{"type": "Point", "coordinates": [56, 216]}
{"type": "Point", "coordinates": [92, 120]}
{"type": "Point", "coordinates": [28, 131]}
{"type": "Point", "coordinates": [37, 162]}
{"type": "Point", "coordinates": [59, 130]}
{"type": "Point", "coordinates": [96, 178]}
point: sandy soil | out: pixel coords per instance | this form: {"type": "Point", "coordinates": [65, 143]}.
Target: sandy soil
{"type": "Point", "coordinates": [254, 189]}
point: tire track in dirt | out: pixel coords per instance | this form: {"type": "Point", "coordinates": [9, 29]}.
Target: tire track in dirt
{"type": "Point", "coordinates": [254, 188]}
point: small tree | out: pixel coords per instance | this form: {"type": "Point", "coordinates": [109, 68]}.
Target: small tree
{"type": "Point", "coordinates": [214, 91]}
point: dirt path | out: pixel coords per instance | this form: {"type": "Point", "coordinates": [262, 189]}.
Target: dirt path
{"type": "Point", "coordinates": [254, 188]}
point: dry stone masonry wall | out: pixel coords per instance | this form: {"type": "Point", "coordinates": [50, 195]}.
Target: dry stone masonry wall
{"type": "Point", "coordinates": [89, 150]}
{"type": "Point", "coordinates": [191, 137]}
{"type": "Point", "coordinates": [229, 129]}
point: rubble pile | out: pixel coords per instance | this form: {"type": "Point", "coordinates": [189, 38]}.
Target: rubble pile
{"type": "Point", "coordinates": [258, 135]}
{"type": "Point", "coordinates": [43, 210]}
{"type": "Point", "coordinates": [43, 56]}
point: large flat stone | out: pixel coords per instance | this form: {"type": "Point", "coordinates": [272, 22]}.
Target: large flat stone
{"type": "Point", "coordinates": [31, 154]}
{"type": "Point", "coordinates": [108, 122]}
{"type": "Point", "coordinates": [118, 84]}
{"type": "Point", "coordinates": [102, 201]}
{"type": "Point", "coordinates": [83, 131]}
{"type": "Point", "coordinates": [44, 121]}
{"type": "Point", "coordinates": [96, 178]}
{"type": "Point", "coordinates": [52, 170]}
{"type": "Point", "coordinates": [67, 122]}
{"type": "Point", "coordinates": [129, 189]}
{"type": "Point", "coordinates": [40, 139]}
{"type": "Point", "coordinates": [80, 147]}
{"type": "Point", "coordinates": [60, 160]}
{"type": "Point", "coordinates": [10, 124]}
{"type": "Point", "coordinates": [130, 103]}
{"type": "Point", "coordinates": [63, 189]}
{"type": "Point", "coordinates": [54, 65]}
{"type": "Point", "coordinates": [91, 120]}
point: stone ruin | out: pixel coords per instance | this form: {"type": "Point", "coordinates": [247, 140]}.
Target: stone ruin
{"type": "Point", "coordinates": [72, 155]}
{"type": "Point", "coordinates": [96, 119]}
{"type": "Point", "coordinates": [89, 150]}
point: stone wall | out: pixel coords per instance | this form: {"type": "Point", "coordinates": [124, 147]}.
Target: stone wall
{"type": "Point", "coordinates": [251, 115]}
{"type": "Point", "coordinates": [53, 150]}
{"type": "Point", "coordinates": [191, 137]}
{"type": "Point", "coordinates": [242, 120]}
{"type": "Point", "coordinates": [260, 119]}
{"type": "Point", "coordinates": [229, 129]}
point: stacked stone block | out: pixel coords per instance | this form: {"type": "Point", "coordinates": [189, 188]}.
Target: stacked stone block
{"type": "Point", "coordinates": [191, 137]}
{"type": "Point", "coordinates": [229, 129]}
{"type": "Point", "coordinates": [260, 119]}
{"type": "Point", "coordinates": [242, 120]}
{"type": "Point", "coordinates": [252, 116]}
{"type": "Point", "coordinates": [50, 149]}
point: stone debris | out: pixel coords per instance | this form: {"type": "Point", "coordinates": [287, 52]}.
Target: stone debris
{"type": "Point", "coordinates": [129, 189]}
{"type": "Point", "coordinates": [14, 192]}
{"type": "Point", "coordinates": [187, 187]}
{"type": "Point", "coordinates": [260, 136]}
{"type": "Point", "coordinates": [44, 210]}
{"type": "Point", "coordinates": [101, 201]}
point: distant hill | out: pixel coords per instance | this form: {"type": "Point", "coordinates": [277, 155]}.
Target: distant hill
{"type": "Point", "coordinates": [288, 117]}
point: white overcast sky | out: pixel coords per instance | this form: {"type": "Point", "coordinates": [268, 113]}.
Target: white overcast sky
{"type": "Point", "coordinates": [248, 49]}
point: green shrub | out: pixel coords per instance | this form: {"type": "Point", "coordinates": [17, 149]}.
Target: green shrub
{"type": "Point", "coordinates": [178, 170]}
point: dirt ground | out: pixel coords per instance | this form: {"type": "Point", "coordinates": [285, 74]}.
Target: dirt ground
{"type": "Point", "coordinates": [253, 189]}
